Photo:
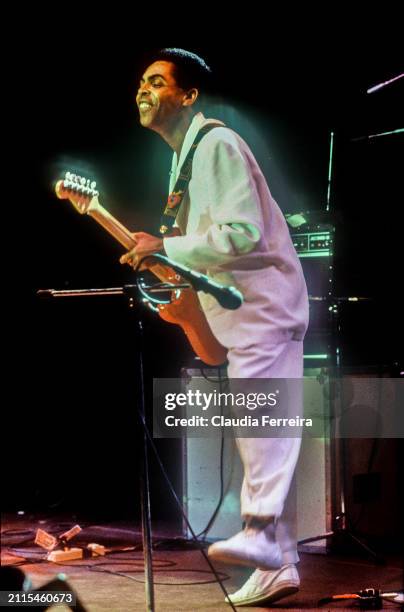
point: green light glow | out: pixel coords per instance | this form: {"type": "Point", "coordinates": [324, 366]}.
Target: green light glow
{"type": "Point", "coordinates": [319, 356]}
{"type": "Point", "coordinates": [325, 253]}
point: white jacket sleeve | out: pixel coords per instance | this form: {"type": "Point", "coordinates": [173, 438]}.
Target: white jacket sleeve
{"type": "Point", "coordinates": [233, 218]}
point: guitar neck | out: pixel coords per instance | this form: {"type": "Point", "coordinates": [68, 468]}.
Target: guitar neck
{"type": "Point", "coordinates": [84, 197]}
{"type": "Point", "coordinates": [113, 226]}
{"type": "Point", "coordinates": [124, 236]}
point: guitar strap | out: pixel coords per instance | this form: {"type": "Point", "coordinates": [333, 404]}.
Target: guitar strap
{"type": "Point", "coordinates": [175, 198]}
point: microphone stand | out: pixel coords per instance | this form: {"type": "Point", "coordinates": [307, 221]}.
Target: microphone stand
{"type": "Point", "coordinates": [340, 528]}
{"type": "Point", "coordinates": [132, 291]}
{"type": "Point", "coordinates": [340, 525]}
{"type": "Point", "coordinates": [138, 292]}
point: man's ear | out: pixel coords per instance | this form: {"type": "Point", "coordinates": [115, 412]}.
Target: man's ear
{"type": "Point", "coordinates": [190, 97]}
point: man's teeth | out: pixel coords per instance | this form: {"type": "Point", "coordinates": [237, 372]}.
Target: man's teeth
{"type": "Point", "coordinates": [144, 106]}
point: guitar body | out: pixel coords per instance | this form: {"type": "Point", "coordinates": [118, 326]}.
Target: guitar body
{"type": "Point", "coordinates": [184, 309]}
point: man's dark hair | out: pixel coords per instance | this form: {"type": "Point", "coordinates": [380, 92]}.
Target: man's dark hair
{"type": "Point", "coordinates": [190, 69]}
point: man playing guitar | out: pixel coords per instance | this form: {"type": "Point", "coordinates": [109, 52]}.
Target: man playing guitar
{"type": "Point", "coordinates": [231, 229]}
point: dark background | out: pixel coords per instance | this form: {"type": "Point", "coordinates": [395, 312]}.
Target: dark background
{"type": "Point", "coordinates": [70, 426]}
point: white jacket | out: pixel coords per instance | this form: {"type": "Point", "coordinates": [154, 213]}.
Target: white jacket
{"type": "Point", "coordinates": [234, 231]}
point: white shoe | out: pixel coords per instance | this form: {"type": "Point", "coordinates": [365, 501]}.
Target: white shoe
{"type": "Point", "coordinates": [267, 587]}
{"type": "Point", "coordinates": [252, 547]}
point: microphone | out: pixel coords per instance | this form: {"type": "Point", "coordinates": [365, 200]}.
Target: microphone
{"type": "Point", "coordinates": [228, 297]}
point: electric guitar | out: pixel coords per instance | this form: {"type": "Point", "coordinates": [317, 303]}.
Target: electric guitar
{"type": "Point", "coordinates": [184, 309]}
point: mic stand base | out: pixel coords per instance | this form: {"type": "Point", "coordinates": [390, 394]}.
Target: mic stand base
{"type": "Point", "coordinates": [342, 533]}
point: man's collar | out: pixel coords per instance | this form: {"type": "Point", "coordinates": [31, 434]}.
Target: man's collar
{"type": "Point", "coordinates": [196, 124]}
{"type": "Point", "coordinates": [194, 127]}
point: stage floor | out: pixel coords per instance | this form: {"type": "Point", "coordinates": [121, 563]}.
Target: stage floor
{"type": "Point", "coordinates": [183, 581]}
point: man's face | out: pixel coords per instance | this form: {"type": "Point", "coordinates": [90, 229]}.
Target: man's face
{"type": "Point", "coordinates": [159, 99]}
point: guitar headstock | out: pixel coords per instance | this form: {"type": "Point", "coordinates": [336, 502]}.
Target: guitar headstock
{"type": "Point", "coordinates": [80, 191]}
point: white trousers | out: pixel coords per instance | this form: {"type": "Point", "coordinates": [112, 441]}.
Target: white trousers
{"type": "Point", "coordinates": [269, 487]}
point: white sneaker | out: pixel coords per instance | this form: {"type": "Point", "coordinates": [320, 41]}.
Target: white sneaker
{"type": "Point", "coordinates": [252, 547]}
{"type": "Point", "coordinates": [267, 587]}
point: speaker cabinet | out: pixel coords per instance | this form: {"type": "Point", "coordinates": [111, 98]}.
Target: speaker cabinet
{"type": "Point", "coordinates": [202, 472]}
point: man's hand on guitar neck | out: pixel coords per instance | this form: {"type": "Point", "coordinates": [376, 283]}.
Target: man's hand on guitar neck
{"type": "Point", "coordinates": [145, 244]}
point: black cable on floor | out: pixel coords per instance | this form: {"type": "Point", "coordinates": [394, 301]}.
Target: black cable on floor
{"type": "Point", "coordinates": [97, 568]}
